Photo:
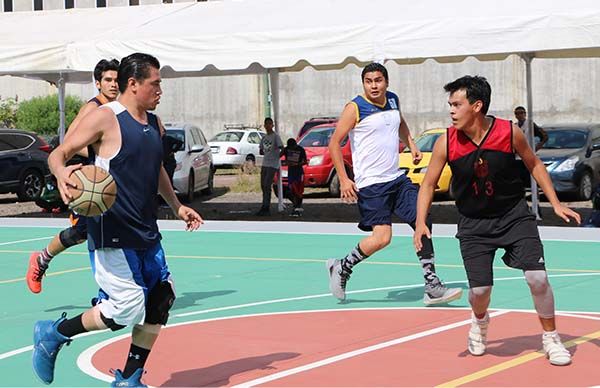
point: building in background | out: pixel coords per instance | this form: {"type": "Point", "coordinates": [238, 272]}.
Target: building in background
{"type": "Point", "coordinates": [563, 89]}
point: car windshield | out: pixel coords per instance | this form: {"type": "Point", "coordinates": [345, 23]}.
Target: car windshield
{"type": "Point", "coordinates": [317, 137]}
{"type": "Point", "coordinates": [229, 136]}
{"type": "Point", "coordinates": [559, 138]}
{"type": "Point", "coordinates": [426, 142]}
{"type": "Point", "coordinates": [177, 134]}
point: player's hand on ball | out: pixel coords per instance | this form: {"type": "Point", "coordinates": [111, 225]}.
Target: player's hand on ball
{"type": "Point", "coordinates": [64, 181]}
{"type": "Point", "coordinates": [191, 217]}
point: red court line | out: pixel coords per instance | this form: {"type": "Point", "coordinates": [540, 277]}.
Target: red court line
{"type": "Point", "coordinates": [234, 351]}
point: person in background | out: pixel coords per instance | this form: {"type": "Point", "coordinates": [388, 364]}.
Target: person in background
{"type": "Point", "coordinates": [295, 159]}
{"type": "Point", "coordinates": [270, 147]}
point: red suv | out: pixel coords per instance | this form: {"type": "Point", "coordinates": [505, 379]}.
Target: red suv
{"type": "Point", "coordinates": [319, 172]}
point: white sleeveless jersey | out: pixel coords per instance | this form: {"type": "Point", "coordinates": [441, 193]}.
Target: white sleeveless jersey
{"type": "Point", "coordinates": [375, 141]}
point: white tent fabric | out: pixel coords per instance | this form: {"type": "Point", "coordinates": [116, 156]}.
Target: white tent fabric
{"type": "Point", "coordinates": [256, 36]}
{"type": "Point", "coordinates": [249, 36]}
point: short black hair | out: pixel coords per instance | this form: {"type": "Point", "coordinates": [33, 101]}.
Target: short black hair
{"type": "Point", "coordinates": [291, 142]}
{"type": "Point", "coordinates": [520, 108]}
{"type": "Point", "coordinates": [371, 67]}
{"type": "Point", "coordinates": [268, 119]}
{"type": "Point", "coordinates": [476, 87]}
{"type": "Point", "coordinates": [137, 66]}
{"type": "Point", "coordinates": [105, 65]}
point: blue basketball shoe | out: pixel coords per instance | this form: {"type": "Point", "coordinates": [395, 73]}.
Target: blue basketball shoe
{"type": "Point", "coordinates": [133, 381]}
{"type": "Point", "coordinates": [47, 341]}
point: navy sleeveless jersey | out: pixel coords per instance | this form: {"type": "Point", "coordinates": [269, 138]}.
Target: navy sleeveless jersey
{"type": "Point", "coordinates": [485, 178]}
{"type": "Point", "coordinates": [131, 221]}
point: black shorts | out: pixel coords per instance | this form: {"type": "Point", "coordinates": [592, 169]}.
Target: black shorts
{"type": "Point", "coordinates": [516, 232]}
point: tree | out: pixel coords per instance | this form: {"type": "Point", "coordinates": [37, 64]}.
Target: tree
{"type": "Point", "coordinates": [41, 115]}
{"type": "Point", "coordinates": [8, 113]}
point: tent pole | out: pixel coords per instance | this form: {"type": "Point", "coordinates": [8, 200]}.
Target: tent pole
{"type": "Point", "coordinates": [61, 107]}
{"type": "Point", "coordinates": [528, 57]}
{"type": "Point", "coordinates": [273, 79]}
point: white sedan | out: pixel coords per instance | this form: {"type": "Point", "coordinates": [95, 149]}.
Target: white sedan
{"type": "Point", "coordinates": [233, 148]}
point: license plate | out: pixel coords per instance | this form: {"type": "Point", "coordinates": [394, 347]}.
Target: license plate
{"type": "Point", "coordinates": [214, 150]}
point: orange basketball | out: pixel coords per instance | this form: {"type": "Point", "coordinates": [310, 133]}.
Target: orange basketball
{"type": "Point", "coordinates": [94, 193]}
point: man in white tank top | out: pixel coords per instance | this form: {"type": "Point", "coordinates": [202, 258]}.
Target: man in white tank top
{"type": "Point", "coordinates": [375, 126]}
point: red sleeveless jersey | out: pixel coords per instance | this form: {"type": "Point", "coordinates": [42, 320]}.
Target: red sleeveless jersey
{"type": "Point", "coordinates": [485, 178]}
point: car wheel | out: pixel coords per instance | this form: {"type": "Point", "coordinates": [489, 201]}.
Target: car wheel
{"type": "Point", "coordinates": [190, 191]}
{"type": "Point", "coordinates": [211, 182]}
{"type": "Point", "coordinates": [30, 185]}
{"type": "Point", "coordinates": [585, 187]}
{"type": "Point", "coordinates": [334, 186]}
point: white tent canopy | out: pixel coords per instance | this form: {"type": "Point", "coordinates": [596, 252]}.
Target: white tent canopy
{"type": "Point", "coordinates": [249, 36]}
{"type": "Point", "coordinates": [256, 36]}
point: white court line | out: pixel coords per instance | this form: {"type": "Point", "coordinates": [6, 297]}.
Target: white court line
{"type": "Point", "coordinates": [21, 241]}
{"type": "Point", "coordinates": [357, 352]}
{"type": "Point", "coordinates": [84, 361]}
{"type": "Point", "coordinates": [580, 316]}
{"type": "Point", "coordinates": [355, 292]}
{"type": "Point", "coordinates": [266, 302]}
{"type": "Point", "coordinates": [30, 347]}
{"type": "Point", "coordinates": [547, 233]}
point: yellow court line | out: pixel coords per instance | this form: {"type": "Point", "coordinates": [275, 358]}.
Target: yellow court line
{"type": "Point", "coordinates": [413, 264]}
{"type": "Point", "coordinates": [48, 274]}
{"type": "Point", "coordinates": [514, 362]}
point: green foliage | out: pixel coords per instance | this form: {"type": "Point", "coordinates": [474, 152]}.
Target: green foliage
{"type": "Point", "coordinates": [8, 113]}
{"type": "Point", "coordinates": [41, 115]}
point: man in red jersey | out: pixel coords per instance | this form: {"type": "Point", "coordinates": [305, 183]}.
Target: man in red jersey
{"type": "Point", "coordinates": [490, 197]}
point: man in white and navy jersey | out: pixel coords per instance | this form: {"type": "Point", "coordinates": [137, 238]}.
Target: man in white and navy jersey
{"type": "Point", "coordinates": [375, 126]}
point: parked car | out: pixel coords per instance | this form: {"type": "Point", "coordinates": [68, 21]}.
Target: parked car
{"type": "Point", "coordinates": [572, 157]}
{"type": "Point", "coordinates": [23, 163]}
{"type": "Point", "coordinates": [416, 173]}
{"type": "Point", "coordinates": [195, 170]}
{"type": "Point", "coordinates": [235, 146]}
{"type": "Point", "coordinates": [313, 122]}
{"type": "Point", "coordinates": [320, 172]}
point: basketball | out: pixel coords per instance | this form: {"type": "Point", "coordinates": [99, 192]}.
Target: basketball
{"type": "Point", "coordinates": [94, 193]}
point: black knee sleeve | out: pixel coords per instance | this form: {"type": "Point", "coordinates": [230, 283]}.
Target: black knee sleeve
{"type": "Point", "coordinates": [110, 323]}
{"type": "Point", "coordinates": [160, 301]}
{"type": "Point", "coordinates": [71, 236]}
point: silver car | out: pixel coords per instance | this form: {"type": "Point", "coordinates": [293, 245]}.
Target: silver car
{"type": "Point", "coordinates": [194, 169]}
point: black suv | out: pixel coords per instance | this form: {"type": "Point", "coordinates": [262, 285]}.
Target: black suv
{"type": "Point", "coordinates": [23, 163]}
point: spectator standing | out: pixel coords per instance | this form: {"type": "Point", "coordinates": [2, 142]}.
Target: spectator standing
{"type": "Point", "coordinates": [271, 147]}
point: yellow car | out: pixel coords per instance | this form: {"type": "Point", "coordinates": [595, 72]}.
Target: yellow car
{"type": "Point", "coordinates": [416, 173]}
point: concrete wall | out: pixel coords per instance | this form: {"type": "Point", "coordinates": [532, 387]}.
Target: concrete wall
{"type": "Point", "coordinates": [563, 91]}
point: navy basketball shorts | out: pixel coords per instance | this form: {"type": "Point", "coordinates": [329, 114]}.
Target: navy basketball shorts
{"type": "Point", "coordinates": [377, 203]}
{"type": "Point", "coordinates": [516, 232]}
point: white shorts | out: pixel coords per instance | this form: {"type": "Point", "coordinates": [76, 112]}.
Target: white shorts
{"type": "Point", "coordinates": [126, 276]}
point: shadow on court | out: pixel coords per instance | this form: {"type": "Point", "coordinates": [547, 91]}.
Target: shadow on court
{"type": "Point", "coordinates": [220, 374]}
{"type": "Point", "coordinates": [406, 295]}
{"type": "Point", "coordinates": [67, 308]}
{"type": "Point", "coordinates": [189, 299]}
{"type": "Point", "coordinates": [514, 346]}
